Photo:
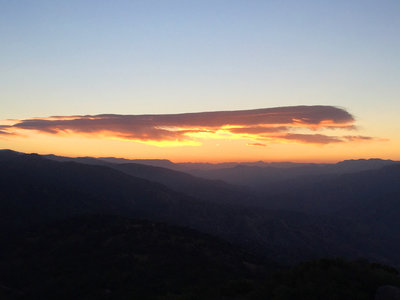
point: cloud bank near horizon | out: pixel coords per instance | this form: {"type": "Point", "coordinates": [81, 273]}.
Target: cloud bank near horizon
{"type": "Point", "coordinates": [297, 124]}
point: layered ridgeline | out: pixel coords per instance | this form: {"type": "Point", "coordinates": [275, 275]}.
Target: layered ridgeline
{"type": "Point", "coordinates": [67, 232]}
{"type": "Point", "coordinates": [260, 175]}
{"type": "Point", "coordinates": [201, 188]}
{"type": "Point", "coordinates": [36, 189]}
{"type": "Point", "coordinates": [364, 192]}
{"type": "Point", "coordinates": [253, 174]}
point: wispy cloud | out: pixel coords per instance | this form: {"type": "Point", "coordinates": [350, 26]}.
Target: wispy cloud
{"type": "Point", "coordinates": [5, 133]}
{"type": "Point", "coordinates": [257, 144]}
{"type": "Point", "coordinates": [279, 123]}
{"type": "Point", "coordinates": [312, 138]}
{"type": "Point", "coordinates": [5, 130]}
{"type": "Point", "coordinates": [358, 138]}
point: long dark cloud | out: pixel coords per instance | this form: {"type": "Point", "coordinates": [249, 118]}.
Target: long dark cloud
{"type": "Point", "coordinates": [280, 122]}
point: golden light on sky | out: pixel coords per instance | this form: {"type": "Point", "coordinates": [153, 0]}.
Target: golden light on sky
{"type": "Point", "coordinates": [297, 133]}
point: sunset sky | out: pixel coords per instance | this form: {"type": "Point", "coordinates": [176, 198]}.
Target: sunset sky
{"type": "Point", "coordinates": [315, 81]}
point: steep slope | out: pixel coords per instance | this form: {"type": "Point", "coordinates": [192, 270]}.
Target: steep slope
{"type": "Point", "coordinates": [209, 190]}
{"type": "Point", "coordinates": [33, 188]}
{"type": "Point", "coordinates": [215, 191]}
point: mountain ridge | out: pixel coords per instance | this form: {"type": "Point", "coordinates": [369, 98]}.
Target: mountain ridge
{"type": "Point", "coordinates": [34, 188]}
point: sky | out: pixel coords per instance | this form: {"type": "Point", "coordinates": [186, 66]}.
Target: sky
{"type": "Point", "coordinates": [201, 80]}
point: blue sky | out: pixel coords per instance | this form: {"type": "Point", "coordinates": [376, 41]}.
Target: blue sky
{"type": "Point", "coordinates": [169, 56]}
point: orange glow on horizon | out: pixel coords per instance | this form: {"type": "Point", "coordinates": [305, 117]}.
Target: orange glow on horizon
{"type": "Point", "coordinates": [275, 134]}
{"type": "Point", "coordinates": [211, 150]}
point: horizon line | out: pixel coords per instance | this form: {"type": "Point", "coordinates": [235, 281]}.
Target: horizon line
{"type": "Point", "coordinates": [206, 162]}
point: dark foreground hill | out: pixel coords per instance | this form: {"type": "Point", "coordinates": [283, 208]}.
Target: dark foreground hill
{"type": "Point", "coordinates": [103, 257]}
{"type": "Point", "coordinates": [108, 257]}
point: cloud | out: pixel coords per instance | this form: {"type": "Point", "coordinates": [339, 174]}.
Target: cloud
{"type": "Point", "coordinates": [358, 138]}
{"type": "Point", "coordinates": [4, 130]}
{"type": "Point", "coordinates": [312, 138]}
{"type": "Point", "coordinates": [280, 123]}
{"type": "Point", "coordinates": [325, 139]}
{"type": "Point", "coordinates": [257, 144]}
{"type": "Point", "coordinates": [259, 129]}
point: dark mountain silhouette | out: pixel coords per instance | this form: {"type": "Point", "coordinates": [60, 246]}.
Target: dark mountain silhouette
{"type": "Point", "coordinates": [358, 165]}
{"type": "Point", "coordinates": [204, 189]}
{"type": "Point", "coordinates": [232, 173]}
{"type": "Point", "coordinates": [215, 191]}
{"type": "Point", "coordinates": [35, 189]}
{"type": "Point", "coordinates": [257, 175]}
{"type": "Point", "coordinates": [84, 160]}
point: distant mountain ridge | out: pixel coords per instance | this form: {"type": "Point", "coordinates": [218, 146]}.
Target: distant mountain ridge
{"type": "Point", "coordinates": [259, 177]}
{"type": "Point", "coordinates": [204, 189]}
{"type": "Point", "coordinates": [228, 185]}
{"type": "Point", "coordinates": [353, 165]}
